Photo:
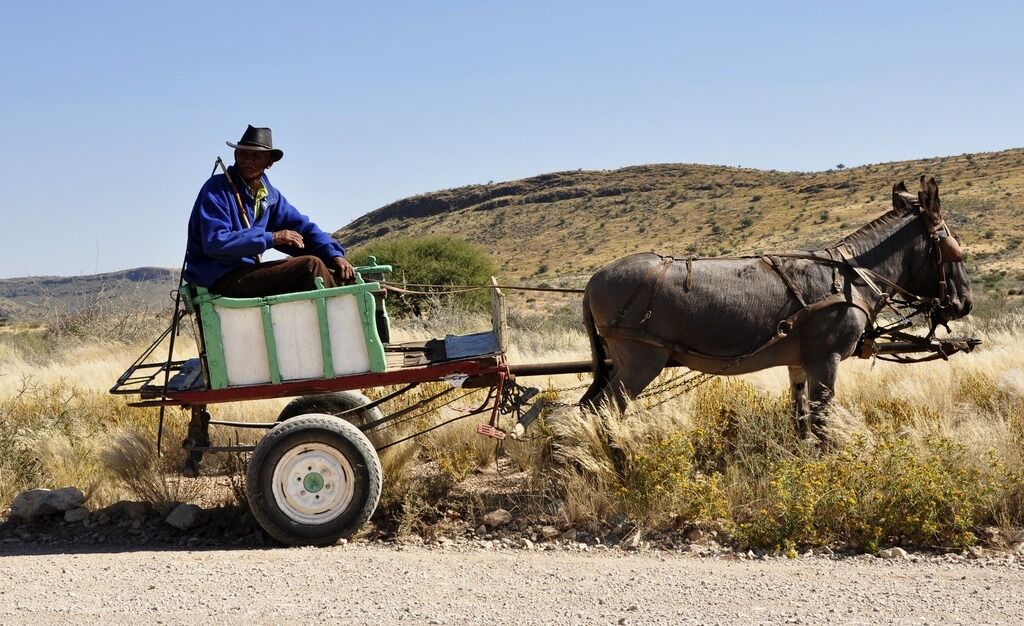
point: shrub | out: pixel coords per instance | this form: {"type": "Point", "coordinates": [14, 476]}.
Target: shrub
{"type": "Point", "coordinates": [660, 482]}
{"type": "Point", "coordinates": [440, 261]}
{"type": "Point", "coordinates": [867, 496]}
{"type": "Point", "coordinates": [131, 459]}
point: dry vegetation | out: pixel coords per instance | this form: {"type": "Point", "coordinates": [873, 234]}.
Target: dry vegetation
{"type": "Point", "coordinates": [928, 455]}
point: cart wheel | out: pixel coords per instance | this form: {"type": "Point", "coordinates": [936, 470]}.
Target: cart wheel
{"type": "Point", "coordinates": [312, 480]}
{"type": "Point", "coordinates": [334, 404]}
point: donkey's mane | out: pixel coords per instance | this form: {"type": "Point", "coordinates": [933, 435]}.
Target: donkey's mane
{"type": "Point", "coordinates": [879, 228]}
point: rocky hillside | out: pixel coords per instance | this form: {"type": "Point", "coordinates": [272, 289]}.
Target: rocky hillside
{"type": "Point", "coordinates": [560, 227]}
{"type": "Point", "coordinates": [34, 298]}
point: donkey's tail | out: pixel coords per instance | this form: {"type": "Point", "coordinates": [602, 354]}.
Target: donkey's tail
{"type": "Point", "coordinates": [602, 374]}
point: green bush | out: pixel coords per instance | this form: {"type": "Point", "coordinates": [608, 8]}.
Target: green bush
{"type": "Point", "coordinates": [868, 496]}
{"type": "Point", "coordinates": [660, 483]}
{"type": "Point", "coordinates": [443, 261]}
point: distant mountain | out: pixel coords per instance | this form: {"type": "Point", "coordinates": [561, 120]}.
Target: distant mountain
{"type": "Point", "coordinates": [565, 225]}
{"type": "Point", "coordinates": [36, 297]}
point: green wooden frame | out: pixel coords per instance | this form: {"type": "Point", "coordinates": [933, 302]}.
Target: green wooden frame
{"type": "Point", "coordinates": [201, 301]}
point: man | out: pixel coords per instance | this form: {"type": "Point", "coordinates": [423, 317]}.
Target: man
{"type": "Point", "coordinates": [239, 215]}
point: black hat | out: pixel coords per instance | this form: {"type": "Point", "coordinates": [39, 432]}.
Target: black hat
{"type": "Point", "coordinates": [258, 139]}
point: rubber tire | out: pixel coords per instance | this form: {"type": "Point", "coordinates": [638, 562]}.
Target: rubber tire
{"type": "Point", "coordinates": [313, 428]}
{"type": "Point", "coordinates": [336, 403]}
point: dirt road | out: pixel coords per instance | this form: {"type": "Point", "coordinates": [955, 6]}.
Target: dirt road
{"type": "Point", "coordinates": [374, 584]}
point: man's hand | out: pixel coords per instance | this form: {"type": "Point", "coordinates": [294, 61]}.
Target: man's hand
{"type": "Point", "coordinates": [288, 238]}
{"type": "Point", "coordinates": [343, 268]}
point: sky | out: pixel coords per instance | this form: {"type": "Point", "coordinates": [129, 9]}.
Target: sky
{"type": "Point", "coordinates": [112, 113]}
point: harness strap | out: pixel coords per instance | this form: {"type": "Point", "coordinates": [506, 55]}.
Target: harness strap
{"type": "Point", "coordinates": [782, 330]}
{"type": "Point", "coordinates": [776, 264]}
{"type": "Point", "coordinates": [837, 285]}
{"type": "Point", "coordinates": [666, 262]}
{"type": "Point", "coordinates": [661, 269]}
{"type": "Point", "coordinates": [844, 251]}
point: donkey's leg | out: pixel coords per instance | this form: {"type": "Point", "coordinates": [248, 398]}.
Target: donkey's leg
{"type": "Point", "coordinates": [597, 388]}
{"type": "Point", "coordinates": [821, 383]}
{"type": "Point", "coordinates": [635, 366]}
{"type": "Point", "coordinates": [801, 402]}
{"type": "Point", "coordinates": [829, 337]}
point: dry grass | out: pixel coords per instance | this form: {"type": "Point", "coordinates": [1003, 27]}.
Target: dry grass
{"type": "Point", "coordinates": [926, 454]}
{"type": "Point", "coordinates": [131, 459]}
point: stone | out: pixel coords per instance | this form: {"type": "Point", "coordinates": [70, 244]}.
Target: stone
{"type": "Point", "coordinates": [893, 553]}
{"type": "Point", "coordinates": [184, 516]}
{"type": "Point", "coordinates": [497, 517]}
{"type": "Point", "coordinates": [42, 502]}
{"type": "Point", "coordinates": [79, 514]}
{"type": "Point", "coordinates": [549, 532]}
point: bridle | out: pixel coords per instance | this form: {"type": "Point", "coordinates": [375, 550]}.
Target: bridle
{"type": "Point", "coordinates": [946, 249]}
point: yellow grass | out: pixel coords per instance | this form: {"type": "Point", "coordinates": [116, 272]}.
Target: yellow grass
{"type": "Point", "coordinates": [725, 455]}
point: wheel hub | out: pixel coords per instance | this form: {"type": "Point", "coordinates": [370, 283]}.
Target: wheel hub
{"type": "Point", "coordinates": [314, 483]}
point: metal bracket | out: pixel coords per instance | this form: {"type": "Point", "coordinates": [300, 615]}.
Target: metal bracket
{"type": "Point", "coordinates": [490, 431]}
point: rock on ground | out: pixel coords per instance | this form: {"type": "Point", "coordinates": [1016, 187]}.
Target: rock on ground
{"type": "Point", "coordinates": [498, 517]}
{"type": "Point", "coordinates": [184, 516]}
{"type": "Point", "coordinates": [29, 505]}
{"type": "Point", "coordinates": [893, 553]}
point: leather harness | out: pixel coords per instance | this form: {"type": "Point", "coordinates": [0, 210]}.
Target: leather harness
{"type": "Point", "coordinates": [839, 257]}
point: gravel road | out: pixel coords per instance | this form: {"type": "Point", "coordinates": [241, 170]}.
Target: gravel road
{"type": "Point", "coordinates": [380, 584]}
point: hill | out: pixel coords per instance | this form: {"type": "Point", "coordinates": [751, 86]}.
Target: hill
{"type": "Point", "coordinates": [560, 227]}
{"type": "Point", "coordinates": [34, 298]}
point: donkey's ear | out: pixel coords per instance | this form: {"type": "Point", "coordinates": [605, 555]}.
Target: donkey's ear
{"type": "Point", "coordinates": [899, 197]}
{"type": "Point", "coordinates": [929, 196]}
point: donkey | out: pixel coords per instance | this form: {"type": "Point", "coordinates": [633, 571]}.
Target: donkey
{"type": "Point", "coordinates": [807, 311]}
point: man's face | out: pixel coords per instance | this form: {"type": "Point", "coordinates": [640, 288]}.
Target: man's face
{"type": "Point", "coordinates": [251, 163]}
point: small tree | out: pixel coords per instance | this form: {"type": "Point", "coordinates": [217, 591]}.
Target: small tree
{"type": "Point", "coordinates": [432, 260]}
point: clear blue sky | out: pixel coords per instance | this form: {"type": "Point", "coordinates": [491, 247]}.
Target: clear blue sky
{"type": "Point", "coordinates": [113, 112]}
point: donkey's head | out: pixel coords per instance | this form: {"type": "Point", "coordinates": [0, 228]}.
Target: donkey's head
{"type": "Point", "coordinates": [937, 269]}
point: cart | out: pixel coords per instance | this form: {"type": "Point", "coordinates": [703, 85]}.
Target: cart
{"type": "Point", "coordinates": [315, 476]}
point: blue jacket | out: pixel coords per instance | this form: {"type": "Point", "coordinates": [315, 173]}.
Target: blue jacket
{"type": "Point", "coordinates": [218, 242]}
